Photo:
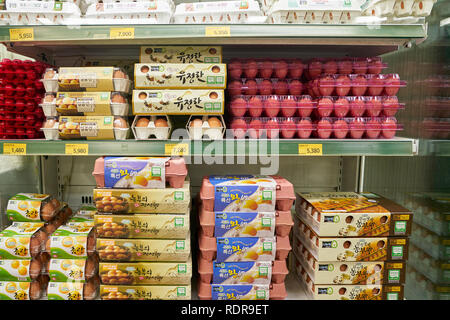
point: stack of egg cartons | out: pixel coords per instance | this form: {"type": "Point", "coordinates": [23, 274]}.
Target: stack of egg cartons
{"type": "Point", "coordinates": [73, 265]}
{"type": "Point", "coordinates": [23, 261]}
{"type": "Point", "coordinates": [143, 229]}
{"type": "Point", "coordinates": [86, 103]}
{"type": "Point", "coordinates": [244, 238]}
{"type": "Point", "coordinates": [20, 94]}
{"type": "Point", "coordinates": [179, 80]}
{"type": "Point", "coordinates": [350, 246]}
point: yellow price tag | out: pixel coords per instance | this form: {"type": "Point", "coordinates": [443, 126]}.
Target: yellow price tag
{"type": "Point", "coordinates": [15, 149]}
{"type": "Point", "coordinates": [176, 149]}
{"type": "Point", "coordinates": [224, 31]}
{"type": "Point", "coordinates": [77, 149]}
{"type": "Point", "coordinates": [26, 34]}
{"type": "Point", "coordinates": [121, 33]}
{"type": "Point", "coordinates": [310, 149]}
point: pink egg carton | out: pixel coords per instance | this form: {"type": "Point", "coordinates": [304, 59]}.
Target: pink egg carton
{"type": "Point", "coordinates": [277, 291]}
{"type": "Point", "coordinates": [272, 106]}
{"type": "Point", "coordinates": [20, 106]}
{"type": "Point", "coordinates": [357, 106]}
{"type": "Point", "coordinates": [265, 68]}
{"type": "Point", "coordinates": [19, 133]}
{"type": "Point", "coordinates": [355, 84]}
{"type": "Point", "coordinates": [279, 271]}
{"type": "Point", "coordinates": [208, 247]}
{"type": "Point", "coordinates": [26, 65]}
{"type": "Point", "coordinates": [357, 128]}
{"type": "Point", "coordinates": [285, 195]}
{"type": "Point", "coordinates": [20, 91]}
{"type": "Point", "coordinates": [283, 222]}
{"type": "Point", "coordinates": [21, 118]}
{"type": "Point", "coordinates": [348, 65]}
{"type": "Point", "coordinates": [175, 172]}
{"type": "Point", "coordinates": [261, 86]}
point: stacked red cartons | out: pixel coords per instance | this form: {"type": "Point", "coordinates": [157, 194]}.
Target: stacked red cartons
{"type": "Point", "coordinates": [142, 227]}
{"type": "Point", "coordinates": [245, 222]}
{"type": "Point", "coordinates": [20, 93]}
{"type": "Point", "coordinates": [349, 246]}
{"type": "Point", "coordinates": [325, 98]}
{"type": "Point", "coordinates": [23, 261]}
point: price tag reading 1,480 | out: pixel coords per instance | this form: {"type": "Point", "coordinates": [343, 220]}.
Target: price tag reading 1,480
{"type": "Point", "coordinates": [310, 149]}
{"type": "Point", "coordinates": [176, 149]}
{"type": "Point", "coordinates": [77, 149]}
{"type": "Point", "coordinates": [26, 34]}
{"type": "Point", "coordinates": [15, 149]}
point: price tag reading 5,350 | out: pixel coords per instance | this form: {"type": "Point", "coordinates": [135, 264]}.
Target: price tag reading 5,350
{"type": "Point", "coordinates": [310, 149]}
{"type": "Point", "coordinates": [15, 149]}
{"type": "Point", "coordinates": [121, 33]}
{"type": "Point", "coordinates": [176, 149]}
{"type": "Point", "coordinates": [26, 34]}
{"type": "Point", "coordinates": [78, 149]}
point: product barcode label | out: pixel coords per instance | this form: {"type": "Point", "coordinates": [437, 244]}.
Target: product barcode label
{"type": "Point", "coordinates": [88, 129]}
{"type": "Point", "coordinates": [85, 105]}
{"type": "Point", "coordinates": [88, 80]}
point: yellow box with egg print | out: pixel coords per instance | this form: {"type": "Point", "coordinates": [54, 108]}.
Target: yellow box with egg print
{"type": "Point", "coordinates": [86, 127]}
{"type": "Point", "coordinates": [72, 241]}
{"type": "Point", "coordinates": [181, 54]}
{"type": "Point", "coordinates": [176, 102]}
{"type": "Point", "coordinates": [22, 240]}
{"type": "Point", "coordinates": [12, 290]}
{"type": "Point", "coordinates": [19, 270]}
{"type": "Point", "coordinates": [163, 292]}
{"type": "Point", "coordinates": [180, 76]}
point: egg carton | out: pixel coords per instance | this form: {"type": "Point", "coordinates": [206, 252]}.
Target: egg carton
{"type": "Point", "coordinates": [151, 132]}
{"type": "Point", "coordinates": [129, 12]}
{"type": "Point", "coordinates": [224, 12]}
{"type": "Point", "coordinates": [397, 8]}
{"type": "Point", "coordinates": [309, 11]}
{"type": "Point", "coordinates": [205, 132]}
{"type": "Point", "coordinates": [87, 3]}
{"type": "Point", "coordinates": [38, 12]}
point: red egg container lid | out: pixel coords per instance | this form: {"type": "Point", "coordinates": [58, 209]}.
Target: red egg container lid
{"type": "Point", "coordinates": [330, 80]}
{"type": "Point", "coordinates": [347, 65]}
{"type": "Point", "coordinates": [368, 121]}
{"type": "Point", "coordinates": [284, 100]}
{"type": "Point", "coordinates": [259, 81]}
{"type": "Point", "coordinates": [12, 65]}
{"type": "Point", "coordinates": [265, 68]}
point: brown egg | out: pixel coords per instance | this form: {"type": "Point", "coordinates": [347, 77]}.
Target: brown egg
{"type": "Point", "coordinates": [196, 123]}
{"type": "Point", "coordinates": [49, 123]}
{"type": "Point", "coordinates": [161, 123]}
{"type": "Point", "coordinates": [120, 123]}
{"type": "Point", "coordinates": [214, 122]}
{"type": "Point", "coordinates": [49, 74]}
{"type": "Point", "coordinates": [56, 203]}
{"type": "Point", "coordinates": [48, 211]}
{"type": "Point", "coordinates": [145, 69]}
{"type": "Point", "coordinates": [142, 122]}
{"type": "Point", "coordinates": [49, 98]}
{"type": "Point", "coordinates": [142, 95]}
{"type": "Point", "coordinates": [119, 74]}
{"type": "Point", "coordinates": [118, 98]}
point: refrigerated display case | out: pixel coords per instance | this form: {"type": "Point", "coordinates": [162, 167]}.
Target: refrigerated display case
{"type": "Point", "coordinates": [410, 168]}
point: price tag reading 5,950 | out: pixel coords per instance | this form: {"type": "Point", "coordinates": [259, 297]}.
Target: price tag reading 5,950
{"type": "Point", "coordinates": [218, 31]}
{"type": "Point", "coordinates": [26, 34]}
{"type": "Point", "coordinates": [77, 149]}
{"type": "Point", "coordinates": [176, 149]}
{"type": "Point", "coordinates": [121, 33]}
{"type": "Point", "coordinates": [15, 149]}
{"type": "Point", "coordinates": [310, 149]}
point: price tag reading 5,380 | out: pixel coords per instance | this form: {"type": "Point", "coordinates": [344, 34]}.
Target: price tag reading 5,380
{"type": "Point", "coordinates": [78, 149]}
{"type": "Point", "coordinates": [15, 149]}
{"type": "Point", "coordinates": [121, 33]}
{"type": "Point", "coordinates": [26, 34]}
{"type": "Point", "coordinates": [310, 149]}
{"type": "Point", "coordinates": [176, 149]}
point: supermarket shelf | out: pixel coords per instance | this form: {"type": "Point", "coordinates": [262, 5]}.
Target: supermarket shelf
{"type": "Point", "coordinates": [285, 147]}
{"type": "Point", "coordinates": [387, 35]}
{"type": "Point", "coordinates": [435, 147]}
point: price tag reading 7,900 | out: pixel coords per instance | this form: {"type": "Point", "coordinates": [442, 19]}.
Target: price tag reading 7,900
{"type": "Point", "coordinates": [310, 149]}
{"type": "Point", "coordinates": [77, 149]}
{"type": "Point", "coordinates": [121, 33]}
{"type": "Point", "coordinates": [176, 149]}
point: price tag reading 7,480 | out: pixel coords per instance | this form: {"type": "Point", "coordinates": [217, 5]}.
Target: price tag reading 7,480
{"type": "Point", "coordinates": [78, 149]}
{"type": "Point", "coordinates": [310, 149]}
{"type": "Point", "coordinates": [176, 149]}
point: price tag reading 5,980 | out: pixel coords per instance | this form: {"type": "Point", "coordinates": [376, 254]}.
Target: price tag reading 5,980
{"type": "Point", "coordinates": [310, 149]}
{"type": "Point", "coordinates": [77, 149]}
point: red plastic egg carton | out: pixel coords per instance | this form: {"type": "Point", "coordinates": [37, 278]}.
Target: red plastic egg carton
{"type": "Point", "coordinates": [371, 106]}
{"type": "Point", "coordinates": [348, 65]}
{"type": "Point", "coordinates": [265, 68]}
{"type": "Point", "coordinates": [357, 128]}
{"type": "Point", "coordinates": [272, 106]}
{"type": "Point", "coordinates": [261, 86]}
{"type": "Point", "coordinates": [26, 65]}
{"type": "Point", "coordinates": [355, 84]}
{"type": "Point", "coordinates": [19, 133]}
